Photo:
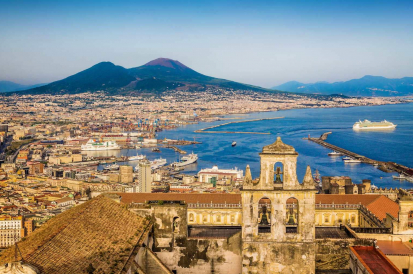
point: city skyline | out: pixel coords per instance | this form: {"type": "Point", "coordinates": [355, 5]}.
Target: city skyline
{"type": "Point", "coordinates": [260, 43]}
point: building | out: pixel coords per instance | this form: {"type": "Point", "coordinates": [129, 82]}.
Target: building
{"type": "Point", "coordinates": [35, 168]}
{"type": "Point", "coordinates": [214, 174]}
{"type": "Point", "coordinates": [145, 177]}
{"type": "Point", "coordinates": [11, 230]}
{"type": "Point", "coordinates": [368, 259]}
{"type": "Point", "coordinates": [126, 174]}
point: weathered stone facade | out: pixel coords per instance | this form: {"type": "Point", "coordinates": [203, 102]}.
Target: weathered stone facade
{"type": "Point", "coordinates": [278, 245]}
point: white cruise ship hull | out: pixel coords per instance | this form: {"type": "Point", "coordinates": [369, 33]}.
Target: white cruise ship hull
{"type": "Point", "coordinates": [185, 163]}
{"type": "Point", "coordinates": [99, 148]}
{"type": "Point", "coordinates": [357, 127]}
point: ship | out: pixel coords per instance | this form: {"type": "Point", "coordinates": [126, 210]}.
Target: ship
{"type": "Point", "coordinates": [351, 161]}
{"type": "Point", "coordinates": [186, 160]}
{"type": "Point", "coordinates": [157, 163]}
{"type": "Point", "coordinates": [234, 144]}
{"type": "Point", "coordinates": [400, 177]}
{"type": "Point", "coordinates": [156, 149]}
{"type": "Point", "coordinates": [137, 157]}
{"type": "Point", "coordinates": [335, 153]}
{"type": "Point", "coordinates": [93, 145]}
{"type": "Point", "coordinates": [112, 167]}
{"type": "Point", "coordinates": [368, 125]}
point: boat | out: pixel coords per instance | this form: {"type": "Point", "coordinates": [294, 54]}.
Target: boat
{"type": "Point", "coordinates": [137, 157]}
{"type": "Point", "coordinates": [400, 177]}
{"type": "Point", "coordinates": [234, 144]}
{"type": "Point", "coordinates": [368, 125]}
{"type": "Point", "coordinates": [155, 149]}
{"type": "Point", "coordinates": [351, 160]}
{"type": "Point", "coordinates": [94, 145]}
{"type": "Point", "coordinates": [335, 153]}
{"type": "Point", "coordinates": [373, 187]}
{"type": "Point", "coordinates": [346, 158]}
{"type": "Point", "coordinates": [157, 163]}
{"type": "Point", "coordinates": [186, 160]}
{"type": "Point", "coordinates": [112, 167]}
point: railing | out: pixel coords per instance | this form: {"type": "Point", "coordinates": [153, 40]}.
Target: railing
{"type": "Point", "coordinates": [211, 205]}
{"type": "Point", "coordinates": [375, 230]}
{"type": "Point", "coordinates": [337, 206]}
{"type": "Point", "coordinates": [373, 217]}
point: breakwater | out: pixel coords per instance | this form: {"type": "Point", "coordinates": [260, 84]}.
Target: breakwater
{"type": "Point", "coordinates": [207, 129]}
{"type": "Point", "coordinates": [384, 166]}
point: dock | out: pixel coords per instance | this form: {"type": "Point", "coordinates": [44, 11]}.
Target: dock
{"type": "Point", "coordinates": [383, 166]}
{"type": "Point", "coordinates": [177, 149]}
{"type": "Point", "coordinates": [207, 129]}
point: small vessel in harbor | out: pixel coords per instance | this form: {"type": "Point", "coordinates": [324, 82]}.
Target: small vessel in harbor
{"type": "Point", "coordinates": [112, 167]}
{"type": "Point", "coordinates": [234, 144]}
{"type": "Point", "coordinates": [93, 145]}
{"type": "Point", "coordinates": [155, 149]}
{"type": "Point", "coordinates": [335, 153]}
{"type": "Point", "coordinates": [346, 158]}
{"type": "Point", "coordinates": [368, 125]}
{"type": "Point", "coordinates": [400, 177]}
{"type": "Point", "coordinates": [186, 160]}
{"type": "Point", "coordinates": [137, 157]}
{"type": "Point", "coordinates": [157, 163]}
{"type": "Point", "coordinates": [352, 161]}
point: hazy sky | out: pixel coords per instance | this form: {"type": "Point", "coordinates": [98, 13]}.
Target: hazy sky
{"type": "Point", "coordinates": [257, 42]}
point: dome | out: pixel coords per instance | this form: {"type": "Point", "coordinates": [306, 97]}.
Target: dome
{"type": "Point", "coordinates": [278, 147]}
{"type": "Point", "coordinates": [18, 268]}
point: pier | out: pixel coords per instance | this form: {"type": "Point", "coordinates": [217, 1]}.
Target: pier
{"type": "Point", "coordinates": [383, 166]}
{"type": "Point", "coordinates": [177, 149]}
{"type": "Point", "coordinates": [207, 129]}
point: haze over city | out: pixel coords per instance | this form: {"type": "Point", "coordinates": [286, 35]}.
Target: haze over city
{"type": "Point", "coordinates": [265, 43]}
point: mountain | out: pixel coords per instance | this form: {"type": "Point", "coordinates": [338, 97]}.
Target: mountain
{"type": "Point", "coordinates": [174, 71]}
{"type": "Point", "coordinates": [154, 77]}
{"type": "Point", "coordinates": [6, 86]}
{"type": "Point", "coordinates": [102, 76]}
{"type": "Point", "coordinates": [365, 86]}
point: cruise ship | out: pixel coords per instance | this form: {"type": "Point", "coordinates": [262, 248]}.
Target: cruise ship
{"type": "Point", "coordinates": [93, 145]}
{"type": "Point", "coordinates": [137, 157]}
{"type": "Point", "coordinates": [157, 163]}
{"type": "Point", "coordinates": [368, 125]}
{"type": "Point", "coordinates": [186, 160]}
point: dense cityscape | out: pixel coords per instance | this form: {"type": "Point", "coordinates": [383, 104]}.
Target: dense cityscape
{"type": "Point", "coordinates": [180, 137]}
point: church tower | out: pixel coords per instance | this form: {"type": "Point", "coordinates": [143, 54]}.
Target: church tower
{"type": "Point", "coordinates": [278, 229]}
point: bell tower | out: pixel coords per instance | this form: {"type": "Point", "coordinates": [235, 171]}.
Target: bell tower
{"type": "Point", "coordinates": [278, 229]}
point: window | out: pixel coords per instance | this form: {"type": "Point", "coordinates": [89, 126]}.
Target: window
{"type": "Point", "coordinates": [353, 219]}
{"type": "Point", "coordinates": [204, 218]}
{"type": "Point", "coordinates": [326, 218]}
{"type": "Point", "coordinates": [191, 217]}
{"type": "Point", "coordinates": [232, 219]}
{"type": "Point", "coordinates": [278, 173]}
{"type": "Point", "coordinates": [291, 221]}
{"type": "Point", "coordinates": [218, 218]}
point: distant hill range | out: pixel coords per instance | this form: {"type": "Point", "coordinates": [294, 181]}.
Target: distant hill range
{"type": "Point", "coordinates": [6, 86]}
{"type": "Point", "coordinates": [154, 77]}
{"type": "Point", "coordinates": [365, 86]}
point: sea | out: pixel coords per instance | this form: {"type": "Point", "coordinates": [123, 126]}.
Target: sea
{"type": "Point", "coordinates": [215, 148]}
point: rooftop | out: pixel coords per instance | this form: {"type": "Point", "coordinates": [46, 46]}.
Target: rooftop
{"type": "Point", "coordinates": [68, 242]}
{"type": "Point", "coordinates": [374, 260]}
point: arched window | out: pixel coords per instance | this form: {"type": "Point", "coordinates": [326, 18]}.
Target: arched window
{"type": "Point", "coordinates": [204, 218]}
{"type": "Point", "coordinates": [175, 226]}
{"type": "Point", "coordinates": [278, 173]}
{"type": "Point", "coordinates": [291, 222]}
{"type": "Point", "coordinates": [218, 218]}
{"type": "Point", "coordinates": [353, 218]}
{"type": "Point", "coordinates": [191, 217]}
{"type": "Point", "coordinates": [264, 215]}
{"type": "Point", "coordinates": [232, 219]}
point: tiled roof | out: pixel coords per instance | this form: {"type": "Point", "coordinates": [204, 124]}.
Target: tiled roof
{"type": "Point", "coordinates": [188, 198]}
{"type": "Point", "coordinates": [374, 260]}
{"type": "Point", "coordinates": [395, 248]}
{"type": "Point", "coordinates": [379, 205]}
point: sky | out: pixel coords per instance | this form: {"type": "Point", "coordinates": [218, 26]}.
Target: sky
{"type": "Point", "coordinates": [264, 43]}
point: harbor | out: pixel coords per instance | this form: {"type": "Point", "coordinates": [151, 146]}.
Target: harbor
{"type": "Point", "coordinates": [207, 129]}
{"type": "Point", "coordinates": [383, 166]}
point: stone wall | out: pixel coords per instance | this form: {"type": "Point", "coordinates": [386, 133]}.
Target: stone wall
{"type": "Point", "coordinates": [204, 255]}
{"type": "Point", "coordinates": [334, 254]}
